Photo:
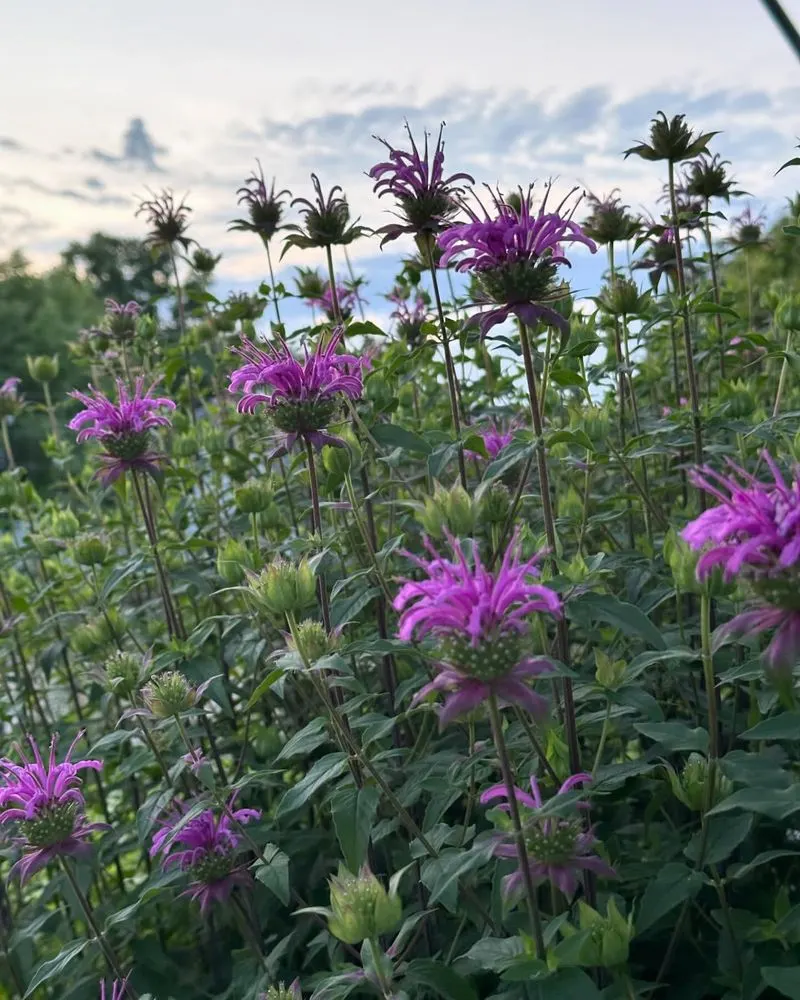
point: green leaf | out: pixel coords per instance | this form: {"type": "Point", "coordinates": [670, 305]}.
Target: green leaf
{"type": "Point", "coordinates": [568, 984]}
{"type": "Point", "coordinates": [474, 442]}
{"type": "Point", "coordinates": [579, 438]}
{"type": "Point", "coordinates": [783, 979]}
{"type": "Point", "coordinates": [565, 377]}
{"type": "Point", "coordinates": [673, 884]}
{"type": "Point", "coordinates": [309, 738]}
{"type": "Point", "coordinates": [785, 726]}
{"type": "Point", "coordinates": [724, 836]}
{"type": "Point", "coordinates": [440, 979]}
{"type": "Point", "coordinates": [353, 811]}
{"type": "Point", "coordinates": [273, 871]}
{"type": "Point", "coordinates": [272, 677]}
{"type": "Point", "coordinates": [777, 803]}
{"type": "Point", "coordinates": [495, 953]}
{"type": "Point", "coordinates": [321, 773]}
{"type": "Point", "coordinates": [712, 309]}
{"type": "Point", "coordinates": [441, 874]}
{"type": "Point", "coordinates": [55, 966]}
{"type": "Point", "coordinates": [392, 436]}
{"type": "Point", "coordinates": [792, 230]}
{"type": "Point", "coordinates": [742, 871]}
{"type": "Point", "coordinates": [674, 735]}
{"type": "Point", "coordinates": [626, 617]}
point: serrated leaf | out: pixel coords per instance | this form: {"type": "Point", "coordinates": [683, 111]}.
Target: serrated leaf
{"type": "Point", "coordinates": [674, 735]}
{"type": "Point", "coordinates": [392, 436]}
{"type": "Point", "coordinates": [440, 979]}
{"type": "Point", "coordinates": [273, 872]}
{"type": "Point", "coordinates": [626, 617]}
{"type": "Point", "coordinates": [353, 811]}
{"type": "Point", "coordinates": [673, 884]}
{"type": "Point", "coordinates": [785, 726]}
{"type": "Point", "coordinates": [304, 742]}
{"type": "Point", "coordinates": [323, 771]}
{"type": "Point", "coordinates": [722, 838]}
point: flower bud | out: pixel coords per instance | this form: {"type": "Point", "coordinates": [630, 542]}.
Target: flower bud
{"type": "Point", "coordinates": [123, 673]}
{"type": "Point", "coordinates": [609, 936]}
{"type": "Point", "coordinates": [215, 441]}
{"type": "Point", "coordinates": [682, 561]}
{"type": "Point", "coordinates": [168, 694]}
{"type": "Point", "coordinates": [284, 588]}
{"type": "Point", "coordinates": [44, 545]}
{"type": "Point", "coordinates": [90, 550]}
{"type": "Point", "coordinates": [360, 907]}
{"type": "Point", "coordinates": [691, 786]}
{"type": "Point", "coordinates": [43, 368]}
{"type": "Point", "coordinates": [281, 992]}
{"type": "Point", "coordinates": [272, 517]}
{"type": "Point", "coordinates": [232, 560]}
{"type": "Point", "coordinates": [311, 641]}
{"type": "Point", "coordinates": [787, 314]}
{"type": "Point", "coordinates": [64, 524]}
{"type": "Point", "coordinates": [453, 509]}
{"type": "Point", "coordinates": [336, 461]}
{"type": "Point", "coordinates": [378, 391]}
{"type": "Point", "coordinates": [738, 397]}
{"type": "Point", "coordinates": [96, 634]}
{"type": "Point", "coordinates": [608, 674]}
{"type": "Point", "coordinates": [495, 504]}
{"type": "Point", "coordinates": [254, 496]}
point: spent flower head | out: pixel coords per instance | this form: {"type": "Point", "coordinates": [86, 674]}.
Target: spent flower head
{"type": "Point", "coordinates": [122, 428]}
{"type": "Point", "coordinates": [264, 206]}
{"type": "Point", "coordinates": [514, 255]}
{"type": "Point", "coordinates": [169, 693]}
{"type": "Point", "coordinates": [326, 221]}
{"type": "Point", "coordinates": [559, 847]}
{"type": "Point", "coordinates": [45, 802]}
{"type": "Point", "coordinates": [609, 221]}
{"type": "Point", "coordinates": [671, 139]}
{"type": "Point", "coordinates": [361, 909]}
{"type": "Point", "coordinates": [480, 621]}
{"type": "Point", "coordinates": [425, 197]}
{"type": "Point", "coordinates": [207, 848]}
{"type": "Point", "coordinates": [707, 178]}
{"type": "Point", "coordinates": [284, 588]}
{"type": "Point", "coordinates": [167, 220]}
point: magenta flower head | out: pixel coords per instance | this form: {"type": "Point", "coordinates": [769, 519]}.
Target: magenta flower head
{"type": "Point", "coordinates": [514, 254]}
{"type": "Point", "coordinates": [119, 990]}
{"type": "Point", "coordinates": [306, 395]}
{"type": "Point", "coordinates": [408, 316]}
{"type": "Point", "coordinates": [45, 802]}
{"type": "Point", "coordinates": [479, 619]}
{"type": "Point", "coordinates": [753, 535]}
{"type": "Point", "coordinates": [558, 847]}
{"type": "Point", "coordinates": [123, 428]}
{"type": "Point", "coordinates": [425, 197]}
{"type": "Point", "coordinates": [11, 401]}
{"type": "Point", "coordinates": [346, 297]}
{"type": "Point", "coordinates": [206, 848]}
{"type": "Point", "coordinates": [495, 439]}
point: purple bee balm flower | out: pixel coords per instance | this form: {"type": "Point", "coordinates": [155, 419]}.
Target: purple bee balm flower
{"type": "Point", "coordinates": [495, 439]}
{"type": "Point", "coordinates": [409, 318]}
{"type": "Point", "coordinates": [123, 428]}
{"type": "Point", "coordinates": [558, 848]}
{"type": "Point", "coordinates": [206, 847]}
{"type": "Point", "coordinates": [753, 534]}
{"type": "Point", "coordinates": [306, 394]}
{"type": "Point", "coordinates": [121, 320]}
{"type": "Point", "coordinates": [346, 297]}
{"type": "Point", "coordinates": [479, 618]}
{"type": "Point", "coordinates": [119, 990]}
{"type": "Point", "coordinates": [46, 803]}
{"type": "Point", "coordinates": [426, 198]}
{"type": "Point", "coordinates": [10, 399]}
{"type": "Point", "coordinates": [9, 387]}
{"type": "Point", "coordinates": [514, 254]}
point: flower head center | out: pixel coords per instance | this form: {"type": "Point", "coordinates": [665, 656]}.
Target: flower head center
{"type": "Point", "coordinates": [213, 866]}
{"type": "Point", "coordinates": [553, 842]}
{"type": "Point", "coordinates": [54, 823]}
{"type": "Point", "coordinates": [493, 657]}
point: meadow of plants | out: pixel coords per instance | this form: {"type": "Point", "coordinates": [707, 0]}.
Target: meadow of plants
{"type": "Point", "coordinates": [456, 659]}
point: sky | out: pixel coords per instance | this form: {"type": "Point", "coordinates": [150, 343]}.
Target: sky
{"type": "Point", "coordinates": [104, 100]}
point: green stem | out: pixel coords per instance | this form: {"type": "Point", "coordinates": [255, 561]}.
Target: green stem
{"type": "Point", "coordinates": [51, 412]}
{"type": "Point", "coordinates": [784, 372]}
{"type": "Point", "coordinates": [598, 757]}
{"type": "Point", "coordinates": [272, 284]}
{"type": "Point", "coordinates": [316, 520]}
{"type": "Point", "coordinates": [7, 444]}
{"type": "Point", "coordinates": [516, 822]}
{"type": "Point", "coordinates": [182, 327]}
{"type": "Point", "coordinates": [708, 674]}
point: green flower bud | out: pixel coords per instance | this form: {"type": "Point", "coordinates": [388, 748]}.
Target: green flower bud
{"type": "Point", "coordinates": [168, 694]}
{"type": "Point", "coordinates": [453, 509]}
{"type": "Point", "coordinates": [683, 562]}
{"type": "Point", "coordinates": [360, 907]}
{"type": "Point", "coordinates": [433, 517]}
{"type": "Point", "coordinates": [96, 634]}
{"type": "Point", "coordinates": [215, 441]}
{"type": "Point", "coordinates": [738, 398]}
{"type": "Point", "coordinates": [254, 496]}
{"type": "Point", "coordinates": [272, 517]}
{"type": "Point", "coordinates": [284, 588]}
{"type": "Point", "coordinates": [495, 504]}
{"type": "Point", "coordinates": [43, 368]}
{"type": "Point", "coordinates": [123, 673]}
{"type": "Point", "coordinates": [336, 461]}
{"type": "Point", "coordinates": [232, 561]}
{"type": "Point", "coordinates": [45, 546]}
{"type": "Point", "coordinates": [311, 641]}
{"type": "Point", "coordinates": [378, 391]}
{"type": "Point", "coordinates": [64, 524]}
{"type": "Point", "coordinates": [90, 550]}
{"type": "Point", "coordinates": [691, 786]}
{"type": "Point", "coordinates": [671, 139]}
{"type": "Point", "coordinates": [787, 315]}
{"type": "Point", "coordinates": [608, 673]}
{"type": "Point", "coordinates": [608, 938]}
{"type": "Point", "coordinates": [281, 992]}
{"type": "Point", "coordinates": [146, 327]}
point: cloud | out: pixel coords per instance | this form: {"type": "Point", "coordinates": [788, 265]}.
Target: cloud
{"type": "Point", "coordinates": [138, 149]}
{"type": "Point", "coordinates": [10, 144]}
